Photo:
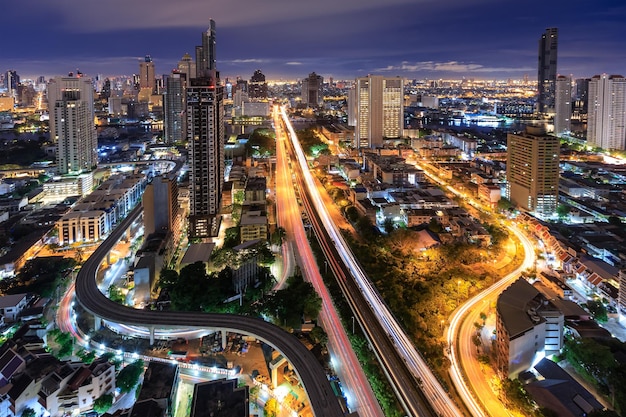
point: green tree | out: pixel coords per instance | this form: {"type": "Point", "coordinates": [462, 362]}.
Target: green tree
{"type": "Point", "coordinates": [28, 412]}
{"type": "Point", "coordinates": [115, 294]}
{"type": "Point", "coordinates": [102, 404]}
{"type": "Point", "coordinates": [504, 204]}
{"type": "Point", "coordinates": [278, 236]}
{"type": "Point", "coordinates": [86, 356]}
{"type": "Point", "coordinates": [168, 278]}
{"type": "Point", "coordinates": [271, 406]}
{"type": "Point", "coordinates": [352, 214]}
{"type": "Point", "coordinates": [388, 225]}
{"type": "Point", "coordinates": [563, 210]}
{"type": "Point", "coordinates": [598, 310]}
{"type": "Point", "coordinates": [129, 376]}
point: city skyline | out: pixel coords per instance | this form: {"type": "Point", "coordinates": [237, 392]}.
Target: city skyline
{"type": "Point", "coordinates": [413, 39]}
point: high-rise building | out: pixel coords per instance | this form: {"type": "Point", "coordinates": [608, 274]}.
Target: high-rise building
{"type": "Point", "coordinates": [546, 75]}
{"type": "Point", "coordinates": [532, 169]}
{"type": "Point", "coordinates": [175, 122]}
{"type": "Point", "coordinates": [70, 100]}
{"type": "Point", "coordinates": [205, 133]}
{"type": "Point", "coordinates": [11, 82]}
{"type": "Point", "coordinates": [563, 105]}
{"type": "Point", "coordinates": [187, 66]}
{"type": "Point", "coordinates": [606, 117]}
{"type": "Point", "coordinates": [312, 93]}
{"type": "Point", "coordinates": [379, 109]}
{"type": "Point", "coordinates": [146, 75]}
{"type": "Point", "coordinates": [160, 206]}
{"type": "Point", "coordinates": [581, 99]}
{"type": "Point", "coordinates": [257, 88]}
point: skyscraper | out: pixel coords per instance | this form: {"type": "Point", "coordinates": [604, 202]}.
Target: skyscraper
{"type": "Point", "coordinates": [205, 133]}
{"type": "Point", "coordinates": [11, 82]}
{"type": "Point", "coordinates": [174, 123]}
{"type": "Point", "coordinates": [257, 88]}
{"type": "Point", "coordinates": [160, 206]}
{"type": "Point", "coordinates": [532, 169]}
{"type": "Point", "coordinates": [70, 100]}
{"type": "Point", "coordinates": [379, 109]}
{"type": "Point", "coordinates": [563, 105]}
{"type": "Point", "coordinates": [606, 117]}
{"type": "Point", "coordinates": [312, 94]}
{"type": "Point", "coordinates": [146, 75]}
{"type": "Point", "coordinates": [546, 75]}
{"type": "Point", "coordinates": [581, 99]}
{"type": "Point", "coordinates": [187, 66]}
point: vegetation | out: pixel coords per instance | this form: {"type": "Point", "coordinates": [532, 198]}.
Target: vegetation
{"type": "Point", "coordinates": [86, 356]}
{"type": "Point", "coordinates": [64, 342]}
{"type": "Point", "coordinates": [598, 311]}
{"type": "Point", "coordinates": [21, 153]}
{"type": "Point", "coordinates": [514, 396]}
{"type": "Point", "coordinates": [102, 404]}
{"type": "Point", "coordinates": [129, 376]}
{"type": "Point", "coordinates": [271, 406]}
{"type": "Point", "coordinates": [311, 143]}
{"type": "Point", "coordinates": [29, 412]}
{"type": "Point", "coordinates": [115, 294]}
{"type": "Point", "coordinates": [42, 275]}
{"type": "Point", "coordinates": [290, 305]}
{"type": "Point", "coordinates": [595, 360]}
{"type": "Point", "coordinates": [262, 143]}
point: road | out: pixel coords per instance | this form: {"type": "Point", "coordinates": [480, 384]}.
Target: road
{"type": "Point", "coordinates": [356, 387]}
{"type": "Point", "coordinates": [416, 386]}
{"type": "Point", "coordinates": [309, 371]}
{"type": "Point", "coordinates": [465, 371]}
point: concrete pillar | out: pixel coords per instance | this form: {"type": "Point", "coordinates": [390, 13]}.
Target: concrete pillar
{"type": "Point", "coordinates": [151, 335]}
{"type": "Point", "coordinates": [223, 339]}
{"type": "Point", "coordinates": [109, 258]}
{"type": "Point", "coordinates": [97, 323]}
{"type": "Point", "coordinates": [128, 234]}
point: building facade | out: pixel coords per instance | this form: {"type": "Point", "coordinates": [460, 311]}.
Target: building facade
{"type": "Point", "coordinates": [606, 117]}
{"type": "Point", "coordinates": [70, 100]}
{"type": "Point", "coordinates": [175, 122]}
{"type": "Point", "coordinates": [257, 88]}
{"type": "Point", "coordinates": [563, 105]}
{"type": "Point", "coordinates": [379, 109]}
{"type": "Point", "coordinates": [546, 74]}
{"type": "Point", "coordinates": [160, 206]}
{"type": "Point", "coordinates": [532, 170]}
{"type": "Point", "coordinates": [312, 93]}
{"type": "Point", "coordinates": [205, 133]}
{"type": "Point", "coordinates": [147, 81]}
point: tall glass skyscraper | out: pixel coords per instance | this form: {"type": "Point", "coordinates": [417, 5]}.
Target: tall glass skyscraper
{"type": "Point", "coordinates": [546, 75]}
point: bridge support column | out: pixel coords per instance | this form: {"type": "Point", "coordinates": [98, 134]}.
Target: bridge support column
{"type": "Point", "coordinates": [97, 323]}
{"type": "Point", "coordinates": [109, 258]}
{"type": "Point", "coordinates": [128, 235]}
{"type": "Point", "coordinates": [151, 335]}
{"type": "Point", "coordinates": [223, 339]}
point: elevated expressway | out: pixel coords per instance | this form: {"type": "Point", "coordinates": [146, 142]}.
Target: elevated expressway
{"type": "Point", "coordinates": [311, 374]}
{"type": "Point", "coordinates": [418, 390]}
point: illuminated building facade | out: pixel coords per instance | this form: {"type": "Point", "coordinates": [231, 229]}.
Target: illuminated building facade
{"type": "Point", "coordinates": [70, 100]}
{"type": "Point", "coordinates": [379, 105]}
{"type": "Point", "coordinates": [532, 170]}
{"type": "Point", "coordinates": [563, 105]}
{"type": "Point", "coordinates": [606, 118]}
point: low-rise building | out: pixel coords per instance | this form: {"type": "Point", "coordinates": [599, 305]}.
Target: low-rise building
{"type": "Point", "coordinates": [11, 306]}
{"type": "Point", "coordinates": [527, 326]}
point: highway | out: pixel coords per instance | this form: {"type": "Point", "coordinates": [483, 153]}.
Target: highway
{"type": "Point", "coordinates": [417, 388]}
{"type": "Point", "coordinates": [356, 387]}
{"type": "Point", "coordinates": [465, 370]}
{"type": "Point", "coordinates": [309, 371]}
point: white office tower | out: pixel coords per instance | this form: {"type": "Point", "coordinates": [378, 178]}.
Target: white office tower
{"type": "Point", "coordinates": [70, 100]}
{"type": "Point", "coordinates": [175, 122]}
{"type": "Point", "coordinates": [379, 109]}
{"type": "Point", "coordinates": [606, 118]}
{"type": "Point", "coordinates": [563, 105]}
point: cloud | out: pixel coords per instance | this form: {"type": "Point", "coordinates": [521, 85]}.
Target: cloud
{"type": "Point", "coordinates": [450, 67]}
{"type": "Point", "coordinates": [247, 61]}
{"type": "Point", "coordinates": [293, 63]}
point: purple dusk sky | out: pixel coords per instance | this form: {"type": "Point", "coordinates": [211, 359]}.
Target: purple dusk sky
{"type": "Point", "coordinates": [482, 39]}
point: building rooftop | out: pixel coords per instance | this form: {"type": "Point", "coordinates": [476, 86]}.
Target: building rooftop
{"type": "Point", "coordinates": [158, 381]}
{"type": "Point", "coordinates": [197, 252]}
{"type": "Point", "coordinates": [11, 300]}
{"type": "Point", "coordinates": [516, 307]}
{"type": "Point", "coordinates": [220, 398]}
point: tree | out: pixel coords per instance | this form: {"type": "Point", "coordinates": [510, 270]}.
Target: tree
{"type": "Point", "coordinates": [352, 214]}
{"type": "Point", "coordinates": [388, 225]}
{"type": "Point", "coordinates": [28, 412]}
{"type": "Point", "coordinates": [271, 405]}
{"type": "Point", "coordinates": [504, 204]}
{"type": "Point", "coordinates": [102, 404]}
{"type": "Point", "coordinates": [278, 236]}
{"type": "Point", "coordinates": [129, 376]}
{"type": "Point", "coordinates": [563, 210]}
{"type": "Point", "coordinates": [598, 310]}
{"type": "Point", "coordinates": [86, 356]}
{"type": "Point", "coordinates": [115, 294]}
{"type": "Point", "coordinates": [168, 278]}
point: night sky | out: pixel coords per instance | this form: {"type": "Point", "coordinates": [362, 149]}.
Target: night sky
{"type": "Point", "coordinates": [481, 39]}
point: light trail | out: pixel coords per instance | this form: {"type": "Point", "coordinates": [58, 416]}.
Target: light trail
{"type": "Point", "coordinates": [430, 385]}
{"type": "Point", "coordinates": [358, 391]}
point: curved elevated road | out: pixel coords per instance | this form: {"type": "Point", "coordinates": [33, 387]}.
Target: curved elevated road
{"type": "Point", "coordinates": [311, 374]}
